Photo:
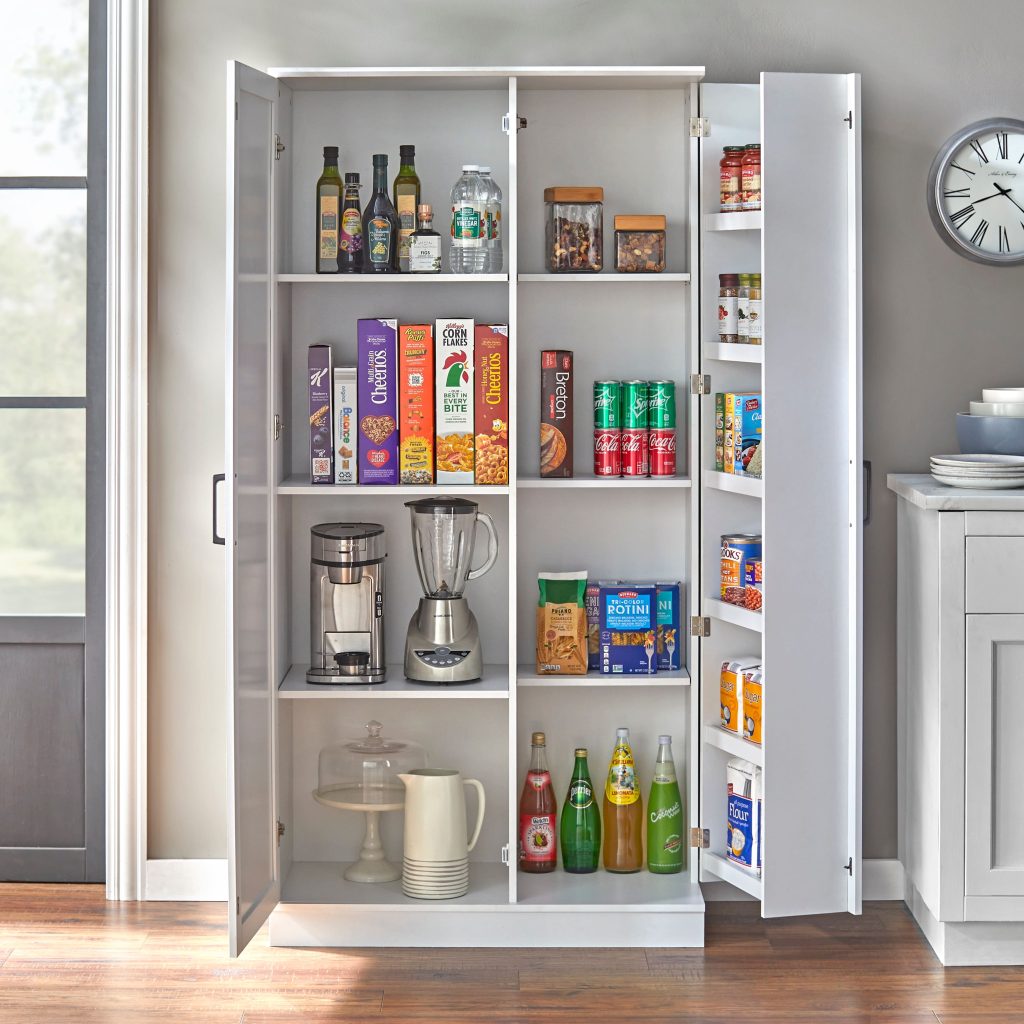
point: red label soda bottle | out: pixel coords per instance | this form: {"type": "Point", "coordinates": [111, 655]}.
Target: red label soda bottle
{"type": "Point", "coordinates": [634, 444]}
{"type": "Point", "coordinates": [607, 428]}
{"type": "Point", "coordinates": [662, 413]}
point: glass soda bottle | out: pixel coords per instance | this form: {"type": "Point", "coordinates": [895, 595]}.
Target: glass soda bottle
{"type": "Point", "coordinates": [538, 852]}
{"type": "Point", "coordinates": [468, 254]}
{"type": "Point", "coordinates": [495, 261]}
{"type": "Point", "coordinates": [623, 810]}
{"type": "Point", "coordinates": [580, 827]}
{"type": "Point", "coordinates": [666, 850]}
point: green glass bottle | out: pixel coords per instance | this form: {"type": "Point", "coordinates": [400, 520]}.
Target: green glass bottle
{"type": "Point", "coordinates": [580, 827]}
{"type": "Point", "coordinates": [406, 196]}
{"type": "Point", "coordinates": [328, 211]}
{"type": "Point", "coordinates": [666, 822]}
{"type": "Point", "coordinates": [380, 224]}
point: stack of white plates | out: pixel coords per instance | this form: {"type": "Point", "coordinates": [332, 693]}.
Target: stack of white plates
{"type": "Point", "coordinates": [986, 472]}
{"type": "Point", "coordinates": [437, 879]}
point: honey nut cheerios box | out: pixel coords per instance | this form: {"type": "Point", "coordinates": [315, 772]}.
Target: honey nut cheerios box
{"type": "Point", "coordinates": [416, 403]}
{"type": "Point", "coordinates": [490, 357]}
{"type": "Point", "coordinates": [453, 410]}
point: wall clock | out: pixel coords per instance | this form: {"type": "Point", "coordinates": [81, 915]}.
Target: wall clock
{"type": "Point", "coordinates": [976, 192]}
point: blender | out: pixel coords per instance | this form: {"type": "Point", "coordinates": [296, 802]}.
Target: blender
{"type": "Point", "coordinates": [443, 643]}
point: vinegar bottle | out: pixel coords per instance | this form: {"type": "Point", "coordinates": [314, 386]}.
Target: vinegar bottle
{"type": "Point", "coordinates": [623, 810]}
{"type": "Point", "coordinates": [537, 814]}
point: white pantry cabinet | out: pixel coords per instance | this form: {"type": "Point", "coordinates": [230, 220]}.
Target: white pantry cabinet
{"type": "Point", "coordinates": [652, 137]}
{"type": "Point", "coordinates": [961, 697]}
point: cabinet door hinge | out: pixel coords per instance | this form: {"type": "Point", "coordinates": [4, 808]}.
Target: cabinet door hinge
{"type": "Point", "coordinates": [848, 866]}
{"type": "Point", "coordinates": [700, 625]}
{"type": "Point", "coordinates": [849, 120]}
{"type": "Point", "coordinates": [279, 146]}
{"type": "Point", "coordinates": [700, 127]}
{"type": "Point", "coordinates": [700, 383]}
{"type": "Point", "coordinates": [504, 854]}
{"type": "Point", "coordinates": [280, 832]}
{"type": "Point", "coordinates": [700, 838]}
{"type": "Point", "coordinates": [276, 427]}
{"type": "Point", "coordinates": [238, 905]}
{"type": "Point", "coordinates": [506, 124]}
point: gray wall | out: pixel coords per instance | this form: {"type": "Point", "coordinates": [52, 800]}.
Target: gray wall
{"type": "Point", "coordinates": [936, 327]}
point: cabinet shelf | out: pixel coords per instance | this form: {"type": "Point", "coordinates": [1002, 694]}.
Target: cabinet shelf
{"type": "Point", "coordinates": [608, 482]}
{"type": "Point", "coordinates": [300, 485]}
{"type": "Point", "coordinates": [605, 277]}
{"type": "Point", "coordinates": [739, 220]}
{"type": "Point", "coordinates": [493, 686]}
{"type": "Point", "coordinates": [735, 745]}
{"type": "Point", "coordinates": [750, 485]}
{"type": "Point", "coordinates": [728, 352]}
{"type": "Point", "coordinates": [601, 890]}
{"type": "Point", "coordinates": [733, 613]}
{"type": "Point", "coordinates": [393, 279]}
{"type": "Point", "coordinates": [526, 675]}
{"type": "Point", "coordinates": [721, 867]}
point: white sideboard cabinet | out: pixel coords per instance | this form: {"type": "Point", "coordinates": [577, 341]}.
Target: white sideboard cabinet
{"type": "Point", "coordinates": [961, 702]}
{"type": "Point", "coordinates": [653, 138]}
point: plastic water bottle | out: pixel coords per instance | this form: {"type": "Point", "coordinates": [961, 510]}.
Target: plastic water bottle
{"type": "Point", "coordinates": [495, 261]}
{"type": "Point", "coordinates": [468, 254]}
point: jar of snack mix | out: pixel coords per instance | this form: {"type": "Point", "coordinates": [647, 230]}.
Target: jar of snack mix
{"type": "Point", "coordinates": [574, 229]}
{"type": "Point", "coordinates": [750, 177]}
{"type": "Point", "coordinates": [640, 244]}
{"type": "Point", "coordinates": [728, 307]}
{"type": "Point", "coordinates": [730, 176]}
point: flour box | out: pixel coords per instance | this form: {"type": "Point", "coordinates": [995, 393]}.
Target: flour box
{"type": "Point", "coordinates": [377, 367]}
{"type": "Point", "coordinates": [628, 621]}
{"type": "Point", "coordinates": [743, 819]}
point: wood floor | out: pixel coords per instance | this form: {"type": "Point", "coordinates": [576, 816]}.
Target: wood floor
{"type": "Point", "coordinates": [66, 955]}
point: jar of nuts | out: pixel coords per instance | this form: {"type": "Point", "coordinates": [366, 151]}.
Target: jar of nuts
{"type": "Point", "coordinates": [574, 230]}
{"type": "Point", "coordinates": [640, 244]}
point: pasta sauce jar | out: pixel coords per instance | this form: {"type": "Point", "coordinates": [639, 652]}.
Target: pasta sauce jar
{"type": "Point", "coordinates": [750, 177]}
{"type": "Point", "coordinates": [730, 176]}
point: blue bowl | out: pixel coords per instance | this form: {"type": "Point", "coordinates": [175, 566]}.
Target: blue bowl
{"type": "Point", "coordinates": [990, 435]}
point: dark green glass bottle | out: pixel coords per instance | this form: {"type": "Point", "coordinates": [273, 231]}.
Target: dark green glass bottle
{"type": "Point", "coordinates": [380, 224]}
{"type": "Point", "coordinates": [580, 827]}
{"type": "Point", "coordinates": [406, 196]}
{"type": "Point", "coordinates": [350, 258]}
{"type": "Point", "coordinates": [328, 214]}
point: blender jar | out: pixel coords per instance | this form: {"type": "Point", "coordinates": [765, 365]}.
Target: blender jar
{"type": "Point", "coordinates": [443, 536]}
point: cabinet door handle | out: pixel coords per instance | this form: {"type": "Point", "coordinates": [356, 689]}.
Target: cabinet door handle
{"type": "Point", "coordinates": [218, 478]}
{"type": "Point", "coordinates": [867, 492]}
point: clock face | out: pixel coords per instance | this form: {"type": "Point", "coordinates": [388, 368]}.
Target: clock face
{"type": "Point", "coordinates": [976, 192]}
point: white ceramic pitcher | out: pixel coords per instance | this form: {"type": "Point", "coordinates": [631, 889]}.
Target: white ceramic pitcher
{"type": "Point", "coordinates": [435, 814]}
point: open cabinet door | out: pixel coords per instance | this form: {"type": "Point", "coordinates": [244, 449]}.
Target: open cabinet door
{"type": "Point", "coordinates": [253, 881]}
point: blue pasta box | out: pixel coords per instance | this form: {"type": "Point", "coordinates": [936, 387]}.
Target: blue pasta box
{"type": "Point", "coordinates": [628, 620]}
{"type": "Point", "coordinates": [669, 616]}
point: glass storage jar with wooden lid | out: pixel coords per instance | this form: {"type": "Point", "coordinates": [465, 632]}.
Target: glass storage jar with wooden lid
{"type": "Point", "coordinates": [639, 243]}
{"type": "Point", "coordinates": [574, 229]}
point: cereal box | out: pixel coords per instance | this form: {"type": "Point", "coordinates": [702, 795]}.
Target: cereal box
{"type": "Point", "coordinates": [730, 686]}
{"type": "Point", "coordinates": [416, 403]}
{"type": "Point", "coordinates": [378, 401]}
{"type": "Point", "coordinates": [753, 703]}
{"type": "Point", "coordinates": [669, 639]}
{"type": "Point", "coordinates": [490, 355]}
{"type": "Point", "coordinates": [321, 447]}
{"type": "Point", "coordinates": [346, 426]}
{"type": "Point", "coordinates": [743, 813]}
{"type": "Point", "coordinates": [628, 617]}
{"type": "Point", "coordinates": [453, 413]}
{"type": "Point", "coordinates": [720, 432]}
{"type": "Point", "coordinates": [743, 422]}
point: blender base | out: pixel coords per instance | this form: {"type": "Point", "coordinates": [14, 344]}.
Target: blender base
{"type": "Point", "coordinates": [443, 643]}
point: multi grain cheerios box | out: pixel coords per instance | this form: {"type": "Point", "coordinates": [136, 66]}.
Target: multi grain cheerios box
{"type": "Point", "coordinates": [490, 356]}
{"type": "Point", "coordinates": [416, 403]}
{"type": "Point", "coordinates": [453, 410]}
{"type": "Point", "coordinates": [377, 382]}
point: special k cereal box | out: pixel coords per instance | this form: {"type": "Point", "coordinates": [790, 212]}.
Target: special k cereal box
{"type": "Point", "coordinates": [416, 403]}
{"type": "Point", "coordinates": [490, 357]}
{"type": "Point", "coordinates": [453, 413]}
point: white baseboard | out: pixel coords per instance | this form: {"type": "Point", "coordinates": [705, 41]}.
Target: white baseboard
{"type": "Point", "coordinates": [883, 880]}
{"type": "Point", "coordinates": [187, 881]}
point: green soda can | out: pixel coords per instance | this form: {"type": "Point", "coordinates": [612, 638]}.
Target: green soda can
{"type": "Point", "coordinates": [666, 848]}
{"type": "Point", "coordinates": [580, 827]}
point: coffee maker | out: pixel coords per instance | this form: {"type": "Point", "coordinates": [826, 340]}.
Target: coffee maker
{"type": "Point", "coordinates": [443, 642]}
{"type": "Point", "coordinates": [346, 603]}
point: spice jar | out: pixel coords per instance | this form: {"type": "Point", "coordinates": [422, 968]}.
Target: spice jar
{"type": "Point", "coordinates": [755, 316]}
{"type": "Point", "coordinates": [574, 229]}
{"type": "Point", "coordinates": [640, 244]}
{"type": "Point", "coordinates": [743, 309]}
{"type": "Point", "coordinates": [750, 177]}
{"type": "Point", "coordinates": [728, 302]}
{"type": "Point", "coordinates": [730, 175]}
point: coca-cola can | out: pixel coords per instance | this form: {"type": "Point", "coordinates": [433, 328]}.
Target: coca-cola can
{"type": "Point", "coordinates": [662, 448]}
{"type": "Point", "coordinates": [635, 455]}
{"type": "Point", "coordinates": [608, 452]}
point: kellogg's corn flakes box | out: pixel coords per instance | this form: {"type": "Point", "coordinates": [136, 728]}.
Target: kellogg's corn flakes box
{"type": "Point", "coordinates": [453, 411]}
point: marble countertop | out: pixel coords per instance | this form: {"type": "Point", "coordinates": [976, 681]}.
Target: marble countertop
{"type": "Point", "coordinates": [924, 490]}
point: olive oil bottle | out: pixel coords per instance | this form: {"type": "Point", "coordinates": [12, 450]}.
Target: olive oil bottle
{"type": "Point", "coordinates": [406, 196]}
{"type": "Point", "coordinates": [328, 214]}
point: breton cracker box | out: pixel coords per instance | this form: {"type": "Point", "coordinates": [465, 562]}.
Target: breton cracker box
{"type": "Point", "coordinates": [321, 447]}
{"type": "Point", "coordinates": [346, 425]}
{"type": "Point", "coordinates": [416, 403]}
{"type": "Point", "coordinates": [377, 384]}
{"type": "Point", "coordinates": [556, 413]}
{"type": "Point", "coordinates": [628, 619]}
{"type": "Point", "coordinates": [453, 411]}
{"type": "Point", "coordinates": [490, 356]}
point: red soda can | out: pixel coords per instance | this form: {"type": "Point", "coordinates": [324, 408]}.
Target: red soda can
{"type": "Point", "coordinates": [662, 448]}
{"type": "Point", "coordinates": [662, 415]}
{"type": "Point", "coordinates": [635, 418]}
{"type": "Point", "coordinates": [607, 428]}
